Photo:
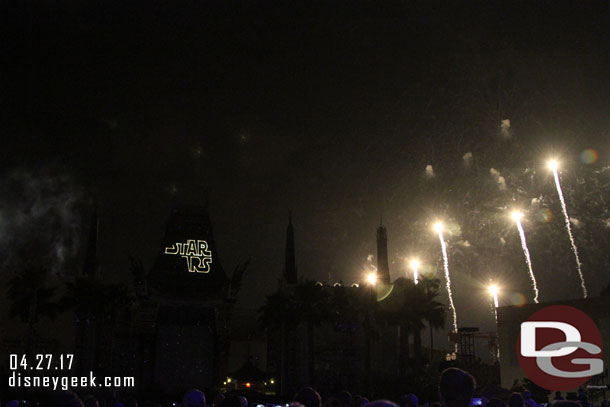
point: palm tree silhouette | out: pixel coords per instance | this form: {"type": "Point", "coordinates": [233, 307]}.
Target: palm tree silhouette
{"type": "Point", "coordinates": [95, 305]}
{"type": "Point", "coordinates": [311, 302]}
{"type": "Point", "coordinates": [278, 312]}
{"type": "Point", "coordinates": [411, 306]}
{"type": "Point", "coordinates": [31, 297]}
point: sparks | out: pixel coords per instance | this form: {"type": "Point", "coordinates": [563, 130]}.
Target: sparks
{"type": "Point", "coordinates": [493, 291]}
{"type": "Point", "coordinates": [438, 228]}
{"type": "Point", "coordinates": [415, 267]}
{"type": "Point", "coordinates": [517, 218]}
{"type": "Point", "coordinates": [553, 165]}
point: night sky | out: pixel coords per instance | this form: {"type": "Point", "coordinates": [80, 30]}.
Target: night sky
{"type": "Point", "coordinates": [329, 109]}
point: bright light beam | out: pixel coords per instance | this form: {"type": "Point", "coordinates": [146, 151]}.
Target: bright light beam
{"type": "Point", "coordinates": [517, 218]}
{"type": "Point", "coordinates": [493, 291]}
{"type": "Point", "coordinates": [438, 228]}
{"type": "Point", "coordinates": [415, 267]}
{"type": "Point", "coordinates": [553, 165]}
{"type": "Point", "coordinates": [372, 278]}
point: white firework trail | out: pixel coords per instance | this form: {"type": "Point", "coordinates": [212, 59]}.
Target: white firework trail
{"type": "Point", "coordinates": [569, 228]}
{"type": "Point", "coordinates": [526, 252]}
{"type": "Point", "coordinates": [439, 229]}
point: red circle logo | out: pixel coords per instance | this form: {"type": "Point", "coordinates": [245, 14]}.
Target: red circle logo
{"type": "Point", "coordinates": [560, 348]}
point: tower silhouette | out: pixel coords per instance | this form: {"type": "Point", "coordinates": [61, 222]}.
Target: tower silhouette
{"type": "Point", "coordinates": [290, 268]}
{"type": "Point", "coordinates": [383, 268]}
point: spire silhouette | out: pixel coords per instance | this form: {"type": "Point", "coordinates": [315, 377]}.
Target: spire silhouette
{"type": "Point", "coordinates": [290, 268]}
{"type": "Point", "coordinates": [383, 268]}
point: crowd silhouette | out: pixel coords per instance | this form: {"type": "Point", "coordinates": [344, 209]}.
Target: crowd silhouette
{"type": "Point", "coordinates": [456, 388]}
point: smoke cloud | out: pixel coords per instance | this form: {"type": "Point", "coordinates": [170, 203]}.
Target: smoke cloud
{"type": "Point", "coordinates": [498, 178]}
{"type": "Point", "coordinates": [39, 220]}
{"type": "Point", "coordinates": [505, 129]}
{"type": "Point", "coordinates": [467, 159]}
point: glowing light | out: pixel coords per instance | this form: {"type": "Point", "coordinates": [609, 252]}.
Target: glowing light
{"type": "Point", "coordinates": [493, 291]}
{"type": "Point", "coordinates": [569, 229]}
{"type": "Point", "coordinates": [228, 380]}
{"type": "Point", "coordinates": [553, 165]}
{"type": "Point", "coordinates": [372, 278]}
{"type": "Point", "coordinates": [415, 267]}
{"type": "Point", "coordinates": [198, 257]}
{"type": "Point", "coordinates": [516, 215]}
{"type": "Point", "coordinates": [526, 253]}
{"type": "Point", "coordinates": [248, 384]}
{"type": "Point", "coordinates": [438, 227]}
{"type": "Point", "coordinates": [271, 381]}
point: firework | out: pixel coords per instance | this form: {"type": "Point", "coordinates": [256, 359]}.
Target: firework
{"type": "Point", "coordinates": [438, 228]}
{"type": "Point", "coordinates": [554, 166]}
{"type": "Point", "coordinates": [493, 291]}
{"type": "Point", "coordinates": [415, 267]}
{"type": "Point", "coordinates": [517, 218]}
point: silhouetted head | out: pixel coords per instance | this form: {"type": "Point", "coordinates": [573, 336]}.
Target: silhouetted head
{"type": "Point", "coordinates": [62, 399]}
{"type": "Point", "coordinates": [360, 401]}
{"type": "Point", "coordinates": [515, 400]}
{"type": "Point", "coordinates": [566, 403]}
{"type": "Point", "coordinates": [131, 402]}
{"type": "Point", "coordinates": [382, 403]}
{"type": "Point", "coordinates": [193, 398]}
{"type": "Point", "coordinates": [409, 400]}
{"type": "Point", "coordinates": [91, 401]}
{"type": "Point", "coordinates": [345, 399]}
{"type": "Point", "coordinates": [494, 402]}
{"type": "Point", "coordinates": [308, 397]}
{"type": "Point", "coordinates": [456, 387]}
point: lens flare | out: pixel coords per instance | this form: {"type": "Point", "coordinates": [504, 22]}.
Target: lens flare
{"type": "Point", "coordinates": [526, 253]}
{"type": "Point", "coordinates": [569, 230]}
{"type": "Point", "coordinates": [589, 156]}
{"type": "Point", "coordinates": [438, 227]}
{"type": "Point", "coordinates": [544, 215]}
{"type": "Point", "coordinates": [372, 278]}
{"type": "Point", "coordinates": [517, 299]}
{"type": "Point", "coordinates": [553, 165]}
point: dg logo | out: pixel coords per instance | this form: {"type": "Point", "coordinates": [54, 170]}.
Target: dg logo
{"type": "Point", "coordinates": [560, 348]}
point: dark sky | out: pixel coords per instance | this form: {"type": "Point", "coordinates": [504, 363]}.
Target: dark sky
{"type": "Point", "coordinates": [332, 109]}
